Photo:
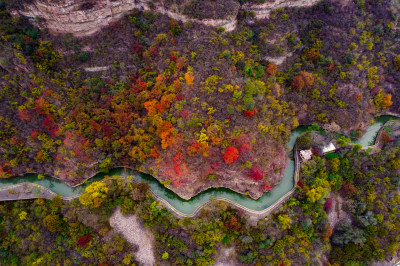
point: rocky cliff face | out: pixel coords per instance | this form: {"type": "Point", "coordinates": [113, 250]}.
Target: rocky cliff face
{"type": "Point", "coordinates": [83, 17]}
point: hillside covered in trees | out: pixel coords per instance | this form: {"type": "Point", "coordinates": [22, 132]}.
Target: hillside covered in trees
{"type": "Point", "coordinates": [198, 107]}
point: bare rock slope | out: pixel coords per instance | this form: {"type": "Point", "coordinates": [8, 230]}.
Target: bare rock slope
{"type": "Point", "coordinates": [83, 17]}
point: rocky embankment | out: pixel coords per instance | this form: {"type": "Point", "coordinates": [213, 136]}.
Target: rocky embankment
{"type": "Point", "coordinates": [83, 17]}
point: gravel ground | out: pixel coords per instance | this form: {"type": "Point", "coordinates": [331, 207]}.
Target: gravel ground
{"type": "Point", "coordinates": [136, 234]}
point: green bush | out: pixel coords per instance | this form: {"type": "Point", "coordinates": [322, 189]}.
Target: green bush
{"type": "Point", "coordinates": [83, 56]}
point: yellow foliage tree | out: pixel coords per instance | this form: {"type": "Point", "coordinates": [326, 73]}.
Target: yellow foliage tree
{"type": "Point", "coordinates": [315, 194]}
{"type": "Point", "coordinates": [284, 220]}
{"type": "Point", "coordinates": [94, 195]}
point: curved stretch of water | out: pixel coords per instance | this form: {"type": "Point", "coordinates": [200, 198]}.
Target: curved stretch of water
{"type": "Point", "coordinates": [189, 206]}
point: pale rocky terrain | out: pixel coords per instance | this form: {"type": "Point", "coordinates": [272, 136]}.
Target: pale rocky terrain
{"type": "Point", "coordinates": [337, 213]}
{"type": "Point", "coordinates": [136, 234]}
{"type": "Point", "coordinates": [82, 17]}
{"type": "Point", "coordinates": [264, 10]}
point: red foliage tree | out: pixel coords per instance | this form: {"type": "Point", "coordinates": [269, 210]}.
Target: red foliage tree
{"type": "Point", "coordinates": [34, 133]}
{"type": "Point", "coordinates": [48, 122]}
{"type": "Point", "coordinates": [83, 241]}
{"type": "Point", "coordinates": [328, 204]}
{"type": "Point", "coordinates": [24, 114]}
{"type": "Point", "coordinates": [298, 83]}
{"type": "Point", "coordinates": [137, 48]}
{"type": "Point", "coordinates": [266, 187]}
{"type": "Point", "coordinates": [300, 184]}
{"type": "Point", "coordinates": [232, 224]}
{"type": "Point", "coordinates": [185, 114]}
{"type": "Point", "coordinates": [349, 188]}
{"type": "Point", "coordinates": [177, 162]}
{"type": "Point", "coordinates": [249, 113]}
{"type": "Point", "coordinates": [231, 154]}
{"type": "Point", "coordinates": [256, 173]}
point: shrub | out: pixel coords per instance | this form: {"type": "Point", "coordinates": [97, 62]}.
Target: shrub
{"type": "Point", "coordinates": [349, 188]}
{"type": "Point", "coordinates": [334, 164]}
{"type": "Point", "coordinates": [105, 165]}
{"type": "Point", "coordinates": [396, 62]}
{"type": "Point", "coordinates": [271, 68]}
{"type": "Point", "coordinates": [284, 17]}
{"type": "Point", "coordinates": [22, 215]}
{"type": "Point", "coordinates": [232, 224]}
{"type": "Point", "coordinates": [256, 173]}
{"type": "Point", "coordinates": [328, 204]}
{"type": "Point", "coordinates": [346, 234]}
{"type": "Point", "coordinates": [308, 78]}
{"type": "Point", "coordinates": [304, 142]}
{"type": "Point", "coordinates": [300, 184]}
{"type": "Point", "coordinates": [342, 141]}
{"type": "Point", "coordinates": [83, 56]}
{"type": "Point", "coordinates": [52, 222]}
{"type": "Point", "coordinates": [395, 163]}
{"type": "Point", "coordinates": [165, 255]}
{"type": "Point", "coordinates": [298, 83]}
{"type": "Point", "coordinates": [313, 55]}
{"type": "Point", "coordinates": [83, 241]}
{"type": "Point", "coordinates": [284, 220]}
{"type": "Point", "coordinates": [174, 27]}
{"type": "Point", "coordinates": [249, 113]}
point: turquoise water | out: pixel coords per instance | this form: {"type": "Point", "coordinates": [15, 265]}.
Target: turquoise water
{"type": "Point", "coordinates": [189, 206]}
{"type": "Point", "coordinates": [369, 137]}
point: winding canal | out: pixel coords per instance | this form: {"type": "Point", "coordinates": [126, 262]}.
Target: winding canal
{"type": "Point", "coordinates": [188, 207]}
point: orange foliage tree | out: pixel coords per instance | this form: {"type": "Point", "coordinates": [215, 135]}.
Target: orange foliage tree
{"type": "Point", "coordinates": [308, 78]}
{"type": "Point", "coordinates": [231, 154]}
{"type": "Point", "coordinates": [313, 55]}
{"type": "Point", "coordinates": [387, 101]}
{"type": "Point", "coordinates": [271, 69]}
{"type": "Point", "coordinates": [189, 79]}
{"type": "Point", "coordinates": [164, 131]}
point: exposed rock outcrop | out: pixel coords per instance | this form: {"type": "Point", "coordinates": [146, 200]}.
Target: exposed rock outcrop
{"type": "Point", "coordinates": [85, 17]}
{"type": "Point", "coordinates": [264, 10]}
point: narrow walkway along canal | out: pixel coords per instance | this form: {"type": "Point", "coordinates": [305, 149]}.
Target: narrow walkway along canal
{"type": "Point", "coordinates": [189, 207]}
